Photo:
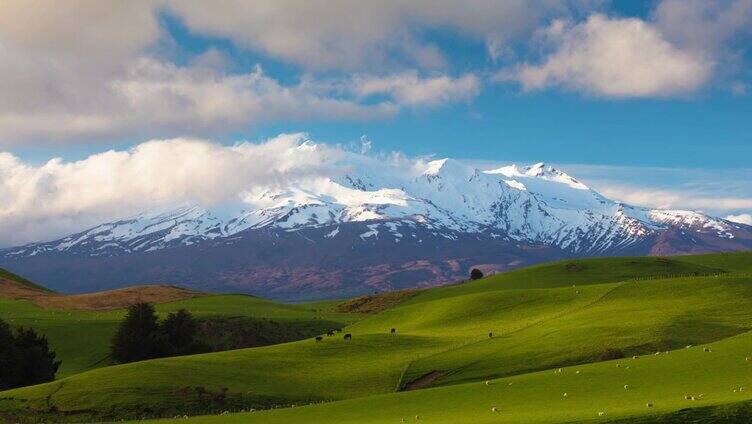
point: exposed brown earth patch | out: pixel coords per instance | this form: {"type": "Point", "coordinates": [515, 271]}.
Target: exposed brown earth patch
{"type": "Point", "coordinates": [423, 382]}
{"type": "Point", "coordinates": [375, 302]}
{"type": "Point", "coordinates": [99, 301]}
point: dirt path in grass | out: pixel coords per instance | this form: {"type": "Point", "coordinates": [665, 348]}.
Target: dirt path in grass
{"type": "Point", "coordinates": [422, 382]}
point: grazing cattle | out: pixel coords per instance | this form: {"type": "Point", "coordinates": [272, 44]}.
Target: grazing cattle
{"type": "Point", "coordinates": [319, 338]}
{"type": "Point", "coordinates": [348, 336]}
{"type": "Point", "coordinates": [330, 333]}
{"type": "Point", "coordinates": [394, 330]}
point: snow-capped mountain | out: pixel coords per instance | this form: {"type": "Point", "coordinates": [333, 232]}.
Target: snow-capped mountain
{"type": "Point", "coordinates": [287, 242]}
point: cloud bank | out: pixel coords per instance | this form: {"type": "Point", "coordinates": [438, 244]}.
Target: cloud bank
{"type": "Point", "coordinates": [42, 202]}
{"type": "Point", "coordinates": [82, 71]}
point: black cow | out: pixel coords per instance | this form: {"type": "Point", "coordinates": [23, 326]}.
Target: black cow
{"type": "Point", "coordinates": [319, 338]}
{"type": "Point", "coordinates": [490, 335]}
{"type": "Point", "coordinates": [348, 336]}
{"type": "Point", "coordinates": [394, 330]}
{"type": "Point", "coordinates": [330, 333]}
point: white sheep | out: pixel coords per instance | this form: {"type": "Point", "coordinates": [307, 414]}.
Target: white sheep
{"type": "Point", "coordinates": [626, 387]}
{"type": "Point", "coordinates": [649, 405]}
{"type": "Point", "coordinates": [618, 365]}
{"type": "Point", "coordinates": [600, 414]}
{"type": "Point", "coordinates": [488, 382]}
{"type": "Point", "coordinates": [494, 409]}
{"type": "Point", "coordinates": [417, 418]}
{"type": "Point", "coordinates": [707, 349]}
{"type": "Point", "coordinates": [635, 357]}
{"type": "Point", "coordinates": [577, 372]}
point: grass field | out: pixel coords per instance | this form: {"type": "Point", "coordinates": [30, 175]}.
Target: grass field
{"type": "Point", "coordinates": [542, 317]}
{"type": "Point", "coordinates": [713, 378]}
{"type": "Point", "coordinates": [81, 339]}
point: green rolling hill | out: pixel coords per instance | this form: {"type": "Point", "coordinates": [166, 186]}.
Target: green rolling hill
{"type": "Point", "coordinates": [563, 314]}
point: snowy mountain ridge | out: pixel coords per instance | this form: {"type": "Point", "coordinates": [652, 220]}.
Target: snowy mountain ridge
{"type": "Point", "coordinates": [533, 204]}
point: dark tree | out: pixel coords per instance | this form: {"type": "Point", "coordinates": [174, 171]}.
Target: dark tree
{"type": "Point", "coordinates": [25, 358]}
{"type": "Point", "coordinates": [476, 274]}
{"type": "Point", "coordinates": [138, 336]}
{"type": "Point", "coordinates": [8, 369]}
{"type": "Point", "coordinates": [179, 331]}
{"type": "Point", "coordinates": [36, 362]}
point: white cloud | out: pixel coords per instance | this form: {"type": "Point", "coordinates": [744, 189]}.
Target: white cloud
{"type": "Point", "coordinates": [358, 35]}
{"type": "Point", "coordinates": [59, 197]}
{"type": "Point", "coordinates": [409, 89]}
{"type": "Point", "coordinates": [614, 58]}
{"type": "Point", "coordinates": [743, 218]}
{"type": "Point", "coordinates": [101, 70]}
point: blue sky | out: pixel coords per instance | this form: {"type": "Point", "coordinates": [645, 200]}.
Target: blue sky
{"type": "Point", "coordinates": [647, 100]}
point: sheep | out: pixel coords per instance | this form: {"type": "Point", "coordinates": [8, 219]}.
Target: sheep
{"type": "Point", "coordinates": [490, 335]}
{"type": "Point", "coordinates": [707, 349]}
{"type": "Point", "coordinates": [348, 336]}
{"type": "Point", "coordinates": [600, 414]}
{"type": "Point", "coordinates": [510, 383]}
{"type": "Point", "coordinates": [649, 405]}
{"type": "Point", "coordinates": [626, 387]}
{"type": "Point", "coordinates": [576, 292]}
{"type": "Point", "coordinates": [494, 409]}
{"type": "Point", "coordinates": [417, 418]}
{"type": "Point", "coordinates": [635, 357]}
{"type": "Point", "coordinates": [488, 382]}
{"type": "Point", "coordinates": [319, 338]}
{"type": "Point", "coordinates": [577, 372]}
{"type": "Point", "coordinates": [565, 394]}
{"type": "Point", "coordinates": [403, 420]}
{"type": "Point", "coordinates": [747, 359]}
{"type": "Point", "coordinates": [688, 346]}
{"type": "Point", "coordinates": [618, 365]}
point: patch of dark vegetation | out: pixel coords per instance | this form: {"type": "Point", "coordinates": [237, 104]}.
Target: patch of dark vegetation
{"type": "Point", "coordinates": [574, 267]}
{"type": "Point", "coordinates": [140, 335]}
{"type": "Point", "coordinates": [188, 401]}
{"type": "Point", "coordinates": [25, 358]}
{"type": "Point", "coordinates": [422, 381]}
{"type": "Point", "coordinates": [610, 354]}
{"type": "Point", "coordinates": [476, 274]}
{"type": "Point", "coordinates": [375, 302]}
{"type": "Point", "coordinates": [735, 413]}
{"type": "Point", "coordinates": [238, 332]}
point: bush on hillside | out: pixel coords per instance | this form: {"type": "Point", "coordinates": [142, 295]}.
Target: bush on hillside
{"type": "Point", "coordinates": [179, 332]}
{"type": "Point", "coordinates": [476, 274]}
{"type": "Point", "coordinates": [25, 358]}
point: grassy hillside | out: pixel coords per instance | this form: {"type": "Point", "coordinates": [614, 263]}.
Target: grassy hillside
{"type": "Point", "coordinates": [440, 332]}
{"type": "Point", "coordinates": [81, 339]}
{"type": "Point", "coordinates": [9, 276]}
{"type": "Point", "coordinates": [714, 378]}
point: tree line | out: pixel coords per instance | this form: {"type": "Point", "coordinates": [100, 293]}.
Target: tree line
{"type": "Point", "coordinates": [141, 336]}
